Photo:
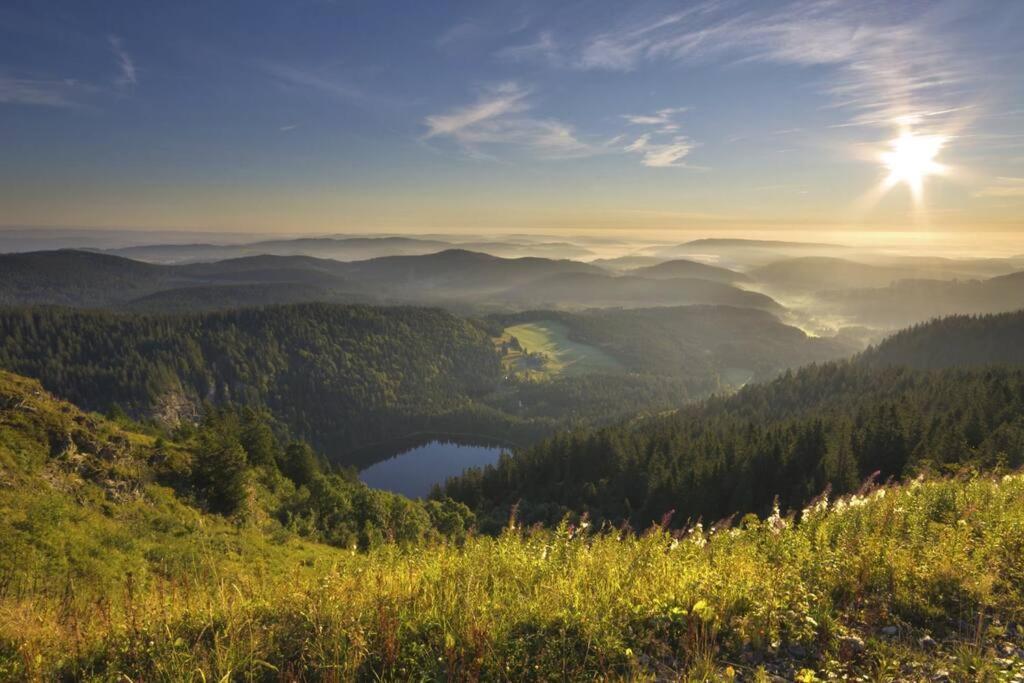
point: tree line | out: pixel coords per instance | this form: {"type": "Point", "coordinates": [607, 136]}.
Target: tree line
{"type": "Point", "coordinates": [825, 426]}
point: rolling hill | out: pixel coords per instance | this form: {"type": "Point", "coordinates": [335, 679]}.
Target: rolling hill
{"type": "Point", "coordinates": [584, 289]}
{"type": "Point", "coordinates": [955, 341]}
{"type": "Point", "coordinates": [938, 397]}
{"type": "Point", "coordinates": [825, 274]}
{"type": "Point", "coordinates": [78, 278]}
{"type": "Point", "coordinates": [682, 268]}
{"type": "Point", "coordinates": [715, 347]}
{"type": "Point", "coordinates": [909, 302]}
{"type": "Point", "coordinates": [457, 273]}
{"type": "Point", "coordinates": [87, 279]}
{"type": "Point", "coordinates": [339, 376]}
{"type": "Point", "coordinates": [337, 248]}
{"type": "Point", "coordinates": [341, 248]}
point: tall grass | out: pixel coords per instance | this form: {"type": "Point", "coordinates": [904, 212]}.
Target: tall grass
{"type": "Point", "coordinates": [941, 558]}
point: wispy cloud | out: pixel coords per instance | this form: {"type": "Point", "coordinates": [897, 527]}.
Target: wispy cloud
{"type": "Point", "coordinates": [891, 61]}
{"type": "Point", "coordinates": [66, 93]}
{"type": "Point", "coordinates": [499, 118]}
{"type": "Point", "coordinates": [663, 119]}
{"type": "Point", "coordinates": [661, 146]}
{"type": "Point", "coordinates": [661, 154]}
{"type": "Point", "coordinates": [497, 101]}
{"type": "Point", "coordinates": [543, 49]}
{"type": "Point", "coordinates": [127, 75]}
{"type": "Point", "coordinates": [1003, 188]}
{"type": "Point", "coordinates": [41, 92]}
{"type": "Point", "coordinates": [293, 76]}
{"type": "Point", "coordinates": [460, 34]}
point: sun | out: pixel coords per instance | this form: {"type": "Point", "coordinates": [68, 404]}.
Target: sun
{"type": "Point", "coordinates": [911, 158]}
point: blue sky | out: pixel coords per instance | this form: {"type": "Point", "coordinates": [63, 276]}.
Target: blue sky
{"type": "Point", "coordinates": [360, 116]}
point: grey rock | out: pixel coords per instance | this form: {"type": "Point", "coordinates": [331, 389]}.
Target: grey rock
{"type": "Point", "coordinates": [890, 630]}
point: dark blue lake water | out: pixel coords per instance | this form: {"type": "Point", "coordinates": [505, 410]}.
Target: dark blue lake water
{"type": "Point", "coordinates": [413, 472]}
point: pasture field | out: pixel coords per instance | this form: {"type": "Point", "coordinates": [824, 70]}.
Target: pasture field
{"type": "Point", "coordinates": [565, 356]}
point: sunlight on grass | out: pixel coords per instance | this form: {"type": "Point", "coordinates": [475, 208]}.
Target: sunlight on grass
{"type": "Point", "coordinates": [547, 605]}
{"type": "Point", "coordinates": [564, 356]}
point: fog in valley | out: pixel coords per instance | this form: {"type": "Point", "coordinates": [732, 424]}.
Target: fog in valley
{"type": "Point", "coordinates": [856, 291]}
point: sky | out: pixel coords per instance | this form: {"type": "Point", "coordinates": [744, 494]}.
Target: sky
{"type": "Point", "coordinates": [314, 116]}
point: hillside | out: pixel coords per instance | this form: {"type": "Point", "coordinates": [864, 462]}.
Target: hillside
{"type": "Point", "coordinates": [340, 376]}
{"type": "Point", "coordinates": [682, 268]}
{"type": "Point", "coordinates": [86, 279]}
{"type": "Point", "coordinates": [602, 290]}
{"type": "Point", "coordinates": [914, 301]}
{"type": "Point", "coordinates": [77, 278]}
{"type": "Point", "coordinates": [108, 575]}
{"type": "Point", "coordinates": [200, 298]}
{"type": "Point", "coordinates": [353, 380]}
{"type": "Point", "coordinates": [339, 248]}
{"type": "Point", "coordinates": [628, 262]}
{"type": "Point", "coordinates": [343, 248]}
{"type": "Point", "coordinates": [834, 276]}
{"type": "Point", "coordinates": [831, 425]}
{"type": "Point", "coordinates": [816, 273]}
{"type": "Point", "coordinates": [458, 273]}
{"type": "Point", "coordinates": [956, 341]}
{"type": "Point", "coordinates": [92, 280]}
{"type": "Point", "coordinates": [713, 346]}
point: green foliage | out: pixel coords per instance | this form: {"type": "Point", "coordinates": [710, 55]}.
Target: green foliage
{"type": "Point", "coordinates": [221, 466]}
{"type": "Point", "coordinates": [696, 345]}
{"type": "Point", "coordinates": [234, 464]}
{"type": "Point", "coordinates": [955, 341]}
{"type": "Point", "coordinates": [338, 376]}
{"type": "Point", "coordinates": [780, 597]}
{"type": "Point", "coordinates": [832, 425]}
{"type": "Point", "coordinates": [106, 574]}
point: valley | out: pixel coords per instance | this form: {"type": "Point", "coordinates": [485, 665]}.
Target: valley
{"type": "Point", "coordinates": [409, 414]}
{"type": "Point", "coordinates": [516, 341]}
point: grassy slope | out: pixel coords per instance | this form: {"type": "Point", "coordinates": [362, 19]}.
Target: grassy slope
{"type": "Point", "coordinates": [104, 574]}
{"type": "Point", "coordinates": [565, 356]}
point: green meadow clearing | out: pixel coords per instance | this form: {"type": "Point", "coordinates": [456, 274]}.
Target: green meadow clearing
{"type": "Point", "coordinates": [565, 356]}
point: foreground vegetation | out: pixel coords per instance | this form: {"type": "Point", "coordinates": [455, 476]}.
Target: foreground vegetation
{"type": "Point", "coordinates": [916, 583]}
{"type": "Point", "coordinates": [108, 572]}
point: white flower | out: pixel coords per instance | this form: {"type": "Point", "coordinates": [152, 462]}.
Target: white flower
{"type": "Point", "coordinates": [775, 521]}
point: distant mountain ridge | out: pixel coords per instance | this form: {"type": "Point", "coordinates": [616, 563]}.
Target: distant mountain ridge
{"type": "Point", "coordinates": [684, 268]}
{"type": "Point", "coordinates": [342, 248]}
{"type": "Point", "coordinates": [454, 277]}
{"type": "Point", "coordinates": [774, 244]}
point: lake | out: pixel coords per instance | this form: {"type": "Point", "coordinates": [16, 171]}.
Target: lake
{"type": "Point", "coordinates": [414, 471]}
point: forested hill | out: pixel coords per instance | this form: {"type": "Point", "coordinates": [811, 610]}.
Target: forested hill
{"type": "Point", "coordinates": [826, 425]}
{"type": "Point", "coordinates": [459, 279]}
{"type": "Point", "coordinates": [695, 342]}
{"type": "Point", "coordinates": [956, 341]}
{"type": "Point", "coordinates": [339, 376]}
{"type": "Point", "coordinates": [69, 277]}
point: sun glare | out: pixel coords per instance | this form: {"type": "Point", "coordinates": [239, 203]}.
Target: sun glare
{"type": "Point", "coordinates": [911, 158]}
